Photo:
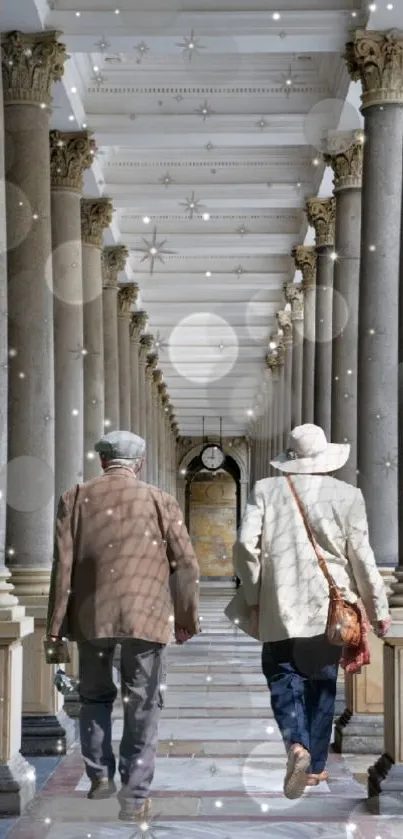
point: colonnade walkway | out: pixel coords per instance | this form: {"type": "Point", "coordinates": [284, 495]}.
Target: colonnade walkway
{"type": "Point", "coordinates": [221, 761]}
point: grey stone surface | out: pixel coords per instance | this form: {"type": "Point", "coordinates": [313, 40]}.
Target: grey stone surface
{"type": "Point", "coordinates": [323, 340]}
{"type": "Point", "coordinates": [124, 372]}
{"type": "Point", "coordinates": [359, 734]}
{"type": "Point", "coordinates": [94, 360]}
{"type": "Point", "coordinates": [69, 339]}
{"type": "Point", "coordinates": [111, 357]}
{"type": "Point", "coordinates": [345, 327]}
{"type": "Point", "coordinates": [48, 734]}
{"type": "Point", "coordinates": [17, 786]}
{"type": "Point", "coordinates": [308, 377]}
{"type": "Point", "coordinates": [378, 326]}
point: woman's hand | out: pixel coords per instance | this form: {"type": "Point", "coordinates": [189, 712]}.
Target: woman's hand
{"type": "Point", "coordinates": [382, 627]}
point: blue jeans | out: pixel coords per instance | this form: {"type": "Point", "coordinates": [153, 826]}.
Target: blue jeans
{"type": "Point", "coordinates": [143, 670]}
{"type": "Point", "coordinates": [301, 674]}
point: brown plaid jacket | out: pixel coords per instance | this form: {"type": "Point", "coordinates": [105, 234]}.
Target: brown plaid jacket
{"type": "Point", "coordinates": [123, 563]}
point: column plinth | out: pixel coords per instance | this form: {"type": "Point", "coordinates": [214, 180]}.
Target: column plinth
{"type": "Point", "coordinates": [96, 215]}
{"type": "Point", "coordinates": [305, 261]}
{"type": "Point", "coordinates": [321, 213]}
{"type": "Point", "coordinates": [70, 154]}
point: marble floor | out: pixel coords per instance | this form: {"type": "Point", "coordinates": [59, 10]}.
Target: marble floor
{"type": "Point", "coordinates": [220, 766]}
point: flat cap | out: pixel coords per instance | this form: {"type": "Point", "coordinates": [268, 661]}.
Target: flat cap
{"type": "Point", "coordinates": [121, 445]}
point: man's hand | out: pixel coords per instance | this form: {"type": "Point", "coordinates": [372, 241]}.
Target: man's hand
{"type": "Point", "coordinates": [182, 635]}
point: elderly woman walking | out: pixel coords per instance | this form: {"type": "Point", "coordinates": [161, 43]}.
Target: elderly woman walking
{"type": "Point", "coordinates": [309, 581]}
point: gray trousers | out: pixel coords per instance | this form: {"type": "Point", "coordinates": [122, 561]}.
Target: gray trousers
{"type": "Point", "coordinates": [143, 671]}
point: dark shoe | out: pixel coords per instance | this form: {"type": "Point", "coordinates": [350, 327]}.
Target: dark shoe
{"type": "Point", "coordinates": [102, 788]}
{"type": "Point", "coordinates": [136, 815]}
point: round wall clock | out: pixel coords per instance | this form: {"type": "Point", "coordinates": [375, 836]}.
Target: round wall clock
{"type": "Point", "coordinates": [212, 457]}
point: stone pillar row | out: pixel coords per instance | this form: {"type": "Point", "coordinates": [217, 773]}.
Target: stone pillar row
{"type": "Point", "coordinates": [71, 368]}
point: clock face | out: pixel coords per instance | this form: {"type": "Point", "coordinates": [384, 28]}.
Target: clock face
{"type": "Point", "coordinates": [212, 457]}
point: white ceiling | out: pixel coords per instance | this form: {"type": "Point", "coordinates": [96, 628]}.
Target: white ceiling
{"type": "Point", "coordinates": [224, 130]}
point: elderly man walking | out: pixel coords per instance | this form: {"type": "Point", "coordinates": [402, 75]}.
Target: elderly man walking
{"type": "Point", "coordinates": [124, 571]}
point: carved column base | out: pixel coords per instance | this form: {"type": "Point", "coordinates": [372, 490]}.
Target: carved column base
{"type": "Point", "coordinates": [359, 734]}
{"type": "Point", "coordinates": [47, 734]}
{"type": "Point", "coordinates": [385, 787]}
{"type": "Point", "coordinates": [17, 786]}
{"type": "Point", "coordinates": [340, 700]}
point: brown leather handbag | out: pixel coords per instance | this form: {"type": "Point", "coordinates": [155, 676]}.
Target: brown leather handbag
{"type": "Point", "coordinates": [343, 628]}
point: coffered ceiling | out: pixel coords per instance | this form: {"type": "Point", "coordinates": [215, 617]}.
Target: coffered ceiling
{"type": "Point", "coordinates": [202, 113]}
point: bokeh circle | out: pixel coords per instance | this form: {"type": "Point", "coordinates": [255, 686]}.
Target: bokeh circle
{"type": "Point", "coordinates": [203, 347]}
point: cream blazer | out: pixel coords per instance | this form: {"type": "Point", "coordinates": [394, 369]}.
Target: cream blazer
{"type": "Point", "coordinates": [277, 564]}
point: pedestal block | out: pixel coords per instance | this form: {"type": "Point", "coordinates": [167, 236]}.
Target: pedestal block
{"type": "Point", "coordinates": [17, 777]}
{"type": "Point", "coordinates": [385, 778]}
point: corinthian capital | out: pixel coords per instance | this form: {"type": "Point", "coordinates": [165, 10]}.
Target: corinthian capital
{"type": "Point", "coordinates": [294, 295]}
{"type": "Point", "coordinates": [158, 377]}
{"type": "Point", "coordinates": [152, 362]}
{"type": "Point", "coordinates": [31, 64]}
{"type": "Point", "coordinates": [127, 296]}
{"type": "Point", "coordinates": [376, 60]}
{"type": "Point", "coordinates": [113, 261]}
{"type": "Point", "coordinates": [138, 324]}
{"type": "Point", "coordinates": [285, 324]}
{"type": "Point", "coordinates": [70, 154]}
{"type": "Point", "coordinates": [146, 342]}
{"type": "Point", "coordinates": [346, 158]}
{"type": "Point", "coordinates": [305, 261]}
{"type": "Point", "coordinates": [275, 356]}
{"type": "Point", "coordinates": [96, 215]}
{"type": "Point", "coordinates": [321, 213]}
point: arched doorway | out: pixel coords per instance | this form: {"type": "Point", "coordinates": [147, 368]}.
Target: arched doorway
{"type": "Point", "coordinates": [213, 511]}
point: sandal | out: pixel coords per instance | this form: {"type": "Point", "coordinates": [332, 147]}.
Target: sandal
{"type": "Point", "coordinates": [296, 777]}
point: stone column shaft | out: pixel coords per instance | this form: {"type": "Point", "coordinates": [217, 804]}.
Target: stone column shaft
{"type": "Point", "coordinates": [152, 361]}
{"type": "Point", "coordinates": [322, 216]}
{"type": "Point", "coordinates": [345, 157]}
{"type": "Point", "coordinates": [127, 296]}
{"type": "Point", "coordinates": [113, 261]}
{"type": "Point", "coordinates": [96, 215]}
{"type": "Point", "coordinates": [31, 63]}
{"type": "Point", "coordinates": [137, 326]}
{"type": "Point", "coordinates": [305, 261]}
{"type": "Point", "coordinates": [295, 298]}
{"type": "Point", "coordinates": [70, 154]}
{"type": "Point", "coordinates": [285, 326]}
{"type": "Point", "coordinates": [17, 778]}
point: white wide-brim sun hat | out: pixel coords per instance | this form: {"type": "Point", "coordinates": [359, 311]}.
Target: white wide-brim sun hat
{"type": "Point", "coordinates": [310, 453]}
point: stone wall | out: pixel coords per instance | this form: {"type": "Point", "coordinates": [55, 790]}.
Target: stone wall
{"type": "Point", "coordinates": [212, 523]}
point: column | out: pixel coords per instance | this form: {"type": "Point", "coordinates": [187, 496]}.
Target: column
{"type": "Point", "coordinates": [294, 296]}
{"type": "Point", "coordinates": [345, 157]}
{"type": "Point", "coordinates": [127, 296]}
{"type": "Point", "coordinates": [155, 382]}
{"type": "Point", "coordinates": [31, 63]}
{"type": "Point", "coordinates": [376, 59]}
{"type": "Point", "coordinates": [96, 215]}
{"type": "Point", "coordinates": [305, 261]}
{"type": "Point", "coordinates": [111, 265]}
{"type": "Point", "coordinates": [70, 154]}
{"type": "Point", "coordinates": [152, 361]}
{"type": "Point", "coordinates": [162, 441]}
{"type": "Point", "coordinates": [146, 342]}
{"type": "Point", "coordinates": [321, 214]}
{"type": "Point", "coordinates": [175, 438]}
{"type": "Point", "coordinates": [285, 327]}
{"type": "Point", "coordinates": [138, 323]}
{"type": "Point", "coordinates": [17, 777]}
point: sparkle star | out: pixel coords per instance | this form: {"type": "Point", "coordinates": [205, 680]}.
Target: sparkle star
{"type": "Point", "coordinates": [204, 110]}
{"type": "Point", "coordinates": [192, 205]}
{"type": "Point", "coordinates": [153, 250]}
{"type": "Point", "coordinates": [166, 180]}
{"type": "Point", "coordinates": [191, 46]}
{"type": "Point", "coordinates": [239, 270]}
{"type": "Point", "coordinates": [142, 50]}
{"type": "Point", "coordinates": [388, 463]}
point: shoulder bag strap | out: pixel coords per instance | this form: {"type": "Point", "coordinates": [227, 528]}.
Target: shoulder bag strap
{"type": "Point", "coordinates": [322, 564]}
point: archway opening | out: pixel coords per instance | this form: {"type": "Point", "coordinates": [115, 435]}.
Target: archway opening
{"type": "Point", "coordinates": [213, 509]}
